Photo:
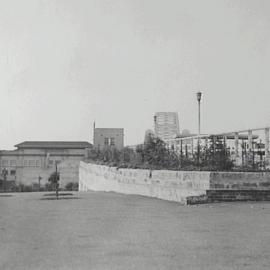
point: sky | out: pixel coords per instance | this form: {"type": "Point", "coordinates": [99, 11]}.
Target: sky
{"type": "Point", "coordinates": [67, 63]}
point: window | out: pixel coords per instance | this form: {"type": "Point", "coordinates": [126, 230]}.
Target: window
{"type": "Point", "coordinates": [4, 172]}
{"type": "Point", "coordinates": [106, 141]}
{"type": "Point", "coordinates": [112, 142]}
{"type": "Point", "coordinates": [37, 163]}
{"type": "Point", "coordinates": [25, 163]}
{"type": "Point", "coordinates": [57, 161]}
{"type": "Point", "coordinates": [4, 162]}
{"type": "Point", "coordinates": [32, 163]}
{"type": "Point", "coordinates": [13, 172]}
{"type": "Point", "coordinates": [13, 163]}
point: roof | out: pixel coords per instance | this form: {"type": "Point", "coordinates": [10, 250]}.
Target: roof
{"type": "Point", "coordinates": [110, 129]}
{"type": "Point", "coordinates": [54, 144]}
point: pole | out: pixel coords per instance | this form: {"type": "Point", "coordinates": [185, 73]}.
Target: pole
{"type": "Point", "coordinates": [267, 152]}
{"type": "Point", "coordinates": [260, 153]}
{"type": "Point", "coordinates": [181, 149]}
{"type": "Point", "coordinates": [250, 147]}
{"type": "Point", "coordinates": [39, 178]}
{"type": "Point", "coordinates": [199, 117]}
{"type": "Point", "coordinates": [199, 96]}
{"type": "Point", "coordinates": [56, 182]}
{"type": "Point", "coordinates": [5, 179]}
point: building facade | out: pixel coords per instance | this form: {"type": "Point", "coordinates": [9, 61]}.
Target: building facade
{"type": "Point", "coordinates": [34, 161]}
{"type": "Point", "coordinates": [244, 147]}
{"type": "Point", "coordinates": [166, 125]}
{"type": "Point", "coordinates": [108, 138]}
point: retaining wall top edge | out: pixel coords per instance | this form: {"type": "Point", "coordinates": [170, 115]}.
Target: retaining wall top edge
{"type": "Point", "coordinates": [84, 164]}
{"type": "Point", "coordinates": [210, 173]}
{"type": "Point", "coordinates": [238, 173]}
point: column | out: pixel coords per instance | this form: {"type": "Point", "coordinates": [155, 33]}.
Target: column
{"type": "Point", "coordinates": [267, 154]}
{"type": "Point", "coordinates": [236, 146]}
{"type": "Point", "coordinates": [214, 144]}
{"type": "Point", "coordinates": [250, 146]}
{"type": "Point", "coordinates": [206, 143]}
{"type": "Point", "coordinates": [225, 142]}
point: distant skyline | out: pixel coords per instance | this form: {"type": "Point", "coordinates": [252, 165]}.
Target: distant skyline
{"type": "Point", "coordinates": [65, 64]}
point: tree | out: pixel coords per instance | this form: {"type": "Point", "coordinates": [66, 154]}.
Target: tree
{"type": "Point", "coordinates": [54, 181]}
{"type": "Point", "coordinates": [216, 156]}
{"type": "Point", "coordinates": [155, 154]}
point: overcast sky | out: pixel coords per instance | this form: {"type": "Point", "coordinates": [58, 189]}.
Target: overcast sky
{"type": "Point", "coordinates": [67, 63]}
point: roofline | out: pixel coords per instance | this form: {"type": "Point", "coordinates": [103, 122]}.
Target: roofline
{"type": "Point", "coordinates": [110, 128]}
{"type": "Point", "coordinates": [21, 145]}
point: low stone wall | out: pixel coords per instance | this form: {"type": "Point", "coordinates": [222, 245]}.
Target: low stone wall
{"type": "Point", "coordinates": [168, 185]}
{"type": "Point", "coordinates": [240, 180]}
{"type": "Point", "coordinates": [162, 184]}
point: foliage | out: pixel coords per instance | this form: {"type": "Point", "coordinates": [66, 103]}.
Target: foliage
{"type": "Point", "coordinates": [216, 156]}
{"type": "Point", "coordinates": [71, 186]}
{"type": "Point", "coordinates": [154, 154]}
{"type": "Point", "coordinates": [54, 177]}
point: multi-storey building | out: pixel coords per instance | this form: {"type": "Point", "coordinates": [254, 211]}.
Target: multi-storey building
{"type": "Point", "coordinates": [108, 138]}
{"type": "Point", "coordinates": [166, 125]}
{"type": "Point", "coordinates": [34, 161]}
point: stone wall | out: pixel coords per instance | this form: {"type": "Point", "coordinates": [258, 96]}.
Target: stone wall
{"type": "Point", "coordinates": [167, 185]}
{"type": "Point", "coordinates": [179, 186]}
{"type": "Point", "coordinates": [240, 180]}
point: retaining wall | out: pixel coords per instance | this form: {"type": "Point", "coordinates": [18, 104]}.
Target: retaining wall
{"type": "Point", "coordinates": [240, 180]}
{"type": "Point", "coordinates": [168, 185]}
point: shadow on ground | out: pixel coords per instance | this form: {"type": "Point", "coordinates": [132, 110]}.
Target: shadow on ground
{"type": "Point", "coordinates": [6, 195]}
{"type": "Point", "coordinates": [60, 194]}
{"type": "Point", "coordinates": [59, 198]}
{"type": "Point", "coordinates": [66, 196]}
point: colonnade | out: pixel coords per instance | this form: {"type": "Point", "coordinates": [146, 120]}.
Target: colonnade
{"type": "Point", "coordinates": [189, 145]}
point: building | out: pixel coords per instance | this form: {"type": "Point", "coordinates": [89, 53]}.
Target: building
{"type": "Point", "coordinates": [108, 138]}
{"type": "Point", "coordinates": [245, 147]}
{"type": "Point", "coordinates": [166, 125]}
{"type": "Point", "coordinates": [34, 161]}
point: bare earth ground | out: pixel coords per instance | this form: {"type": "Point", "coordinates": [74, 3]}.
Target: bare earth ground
{"type": "Point", "coordinates": [113, 231]}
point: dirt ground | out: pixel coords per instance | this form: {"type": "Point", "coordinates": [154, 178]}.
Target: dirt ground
{"type": "Point", "coordinates": [97, 230]}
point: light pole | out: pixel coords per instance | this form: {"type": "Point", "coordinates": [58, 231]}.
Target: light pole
{"type": "Point", "coordinates": [199, 97]}
{"type": "Point", "coordinates": [39, 178]}
{"type": "Point", "coordinates": [5, 172]}
{"type": "Point", "coordinates": [56, 180]}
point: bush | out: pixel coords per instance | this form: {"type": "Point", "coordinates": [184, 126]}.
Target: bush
{"type": "Point", "coordinates": [71, 186]}
{"type": "Point", "coordinates": [154, 155]}
{"type": "Point", "coordinates": [24, 188]}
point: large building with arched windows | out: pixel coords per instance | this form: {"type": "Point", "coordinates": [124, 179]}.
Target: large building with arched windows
{"type": "Point", "coordinates": [33, 161]}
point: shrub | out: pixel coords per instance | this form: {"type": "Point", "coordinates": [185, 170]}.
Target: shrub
{"type": "Point", "coordinates": [71, 186]}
